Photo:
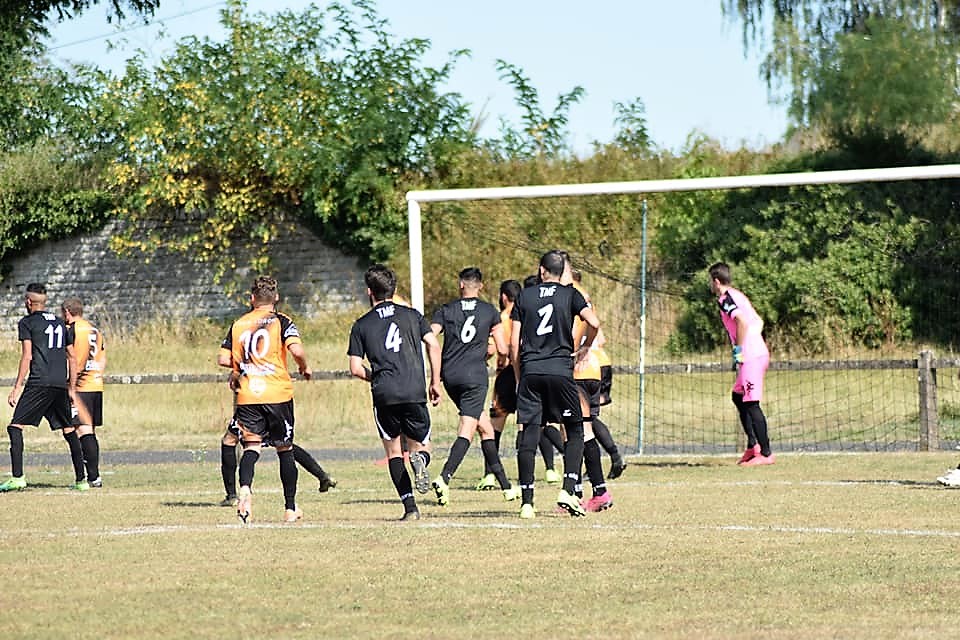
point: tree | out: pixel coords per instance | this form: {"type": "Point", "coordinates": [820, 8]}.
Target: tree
{"type": "Point", "coordinates": [318, 116]}
{"type": "Point", "coordinates": [541, 135]}
{"type": "Point", "coordinates": [35, 97]}
{"type": "Point", "coordinates": [808, 38]}
{"type": "Point", "coordinates": [889, 81]}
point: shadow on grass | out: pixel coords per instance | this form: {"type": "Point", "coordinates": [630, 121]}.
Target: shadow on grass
{"type": "Point", "coordinates": [192, 505]}
{"type": "Point", "coordinates": [914, 484]}
{"type": "Point", "coordinates": [673, 464]}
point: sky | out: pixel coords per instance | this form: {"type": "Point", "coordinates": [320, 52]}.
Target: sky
{"type": "Point", "coordinates": [684, 60]}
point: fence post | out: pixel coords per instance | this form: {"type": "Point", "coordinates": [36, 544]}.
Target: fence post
{"type": "Point", "coordinates": [929, 420]}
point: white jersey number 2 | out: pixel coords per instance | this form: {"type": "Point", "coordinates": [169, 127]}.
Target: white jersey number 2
{"type": "Point", "coordinates": [546, 315]}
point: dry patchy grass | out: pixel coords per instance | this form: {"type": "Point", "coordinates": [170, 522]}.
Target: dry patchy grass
{"type": "Point", "coordinates": [816, 546]}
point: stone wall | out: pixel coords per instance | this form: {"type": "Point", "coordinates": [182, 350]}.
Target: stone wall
{"type": "Point", "coordinates": [128, 291]}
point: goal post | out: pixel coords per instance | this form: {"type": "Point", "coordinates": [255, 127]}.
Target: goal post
{"type": "Point", "coordinates": [421, 203]}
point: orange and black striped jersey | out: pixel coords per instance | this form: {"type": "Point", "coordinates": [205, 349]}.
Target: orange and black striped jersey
{"type": "Point", "coordinates": [258, 344]}
{"type": "Point", "coordinates": [90, 355]}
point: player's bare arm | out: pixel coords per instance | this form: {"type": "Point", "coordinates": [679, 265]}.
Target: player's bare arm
{"type": "Point", "coordinates": [433, 355]}
{"type": "Point", "coordinates": [358, 370]}
{"type": "Point", "coordinates": [515, 347]}
{"type": "Point", "coordinates": [592, 326]}
{"type": "Point", "coordinates": [72, 370]}
{"type": "Point", "coordinates": [503, 349]}
{"type": "Point", "coordinates": [300, 355]}
{"type": "Point", "coordinates": [23, 369]}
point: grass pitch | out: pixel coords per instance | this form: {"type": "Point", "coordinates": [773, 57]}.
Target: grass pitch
{"type": "Point", "coordinates": [853, 546]}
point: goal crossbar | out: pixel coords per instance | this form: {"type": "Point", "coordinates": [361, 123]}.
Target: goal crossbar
{"type": "Point", "coordinates": [414, 198]}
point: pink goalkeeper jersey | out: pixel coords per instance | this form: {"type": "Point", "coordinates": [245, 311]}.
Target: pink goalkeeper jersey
{"type": "Point", "coordinates": [734, 304]}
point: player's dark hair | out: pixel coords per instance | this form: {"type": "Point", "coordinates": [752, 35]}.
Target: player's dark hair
{"type": "Point", "coordinates": [510, 289]}
{"type": "Point", "coordinates": [264, 290]}
{"type": "Point", "coordinates": [37, 287]}
{"type": "Point", "coordinates": [531, 281]}
{"type": "Point", "coordinates": [552, 262]}
{"type": "Point", "coordinates": [74, 305]}
{"type": "Point", "coordinates": [381, 280]}
{"type": "Point", "coordinates": [471, 274]}
{"type": "Point", "coordinates": [720, 271]}
{"type": "Point", "coordinates": [576, 275]}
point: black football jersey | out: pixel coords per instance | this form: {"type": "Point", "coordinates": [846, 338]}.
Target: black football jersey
{"type": "Point", "coordinates": [546, 312]}
{"type": "Point", "coordinates": [466, 323]}
{"type": "Point", "coordinates": [49, 338]}
{"type": "Point", "coordinates": [390, 337]}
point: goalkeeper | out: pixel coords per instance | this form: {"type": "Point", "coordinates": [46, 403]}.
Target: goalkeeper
{"type": "Point", "coordinates": [751, 359]}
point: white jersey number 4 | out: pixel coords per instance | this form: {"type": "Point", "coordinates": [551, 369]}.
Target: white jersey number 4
{"type": "Point", "coordinates": [393, 341]}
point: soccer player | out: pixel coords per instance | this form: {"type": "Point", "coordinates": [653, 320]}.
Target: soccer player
{"type": "Point", "coordinates": [550, 437]}
{"type": "Point", "coordinates": [603, 371]}
{"type": "Point", "coordinates": [259, 342]}
{"type": "Point", "coordinates": [467, 323]}
{"type": "Point", "coordinates": [390, 337]}
{"type": "Point", "coordinates": [751, 359]}
{"type": "Point", "coordinates": [90, 352]}
{"type": "Point", "coordinates": [542, 350]}
{"type": "Point", "coordinates": [231, 438]}
{"type": "Point", "coordinates": [504, 399]}
{"type": "Point", "coordinates": [45, 386]}
{"type": "Point", "coordinates": [228, 464]}
{"type": "Point", "coordinates": [586, 374]}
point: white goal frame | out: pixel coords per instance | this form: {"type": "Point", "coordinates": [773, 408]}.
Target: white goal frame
{"type": "Point", "coordinates": [416, 198]}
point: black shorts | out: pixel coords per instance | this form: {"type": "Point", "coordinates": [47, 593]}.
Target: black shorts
{"type": "Point", "coordinates": [504, 394]}
{"type": "Point", "coordinates": [545, 398]}
{"type": "Point", "coordinates": [606, 385]}
{"type": "Point", "coordinates": [52, 403]}
{"type": "Point", "coordinates": [272, 422]}
{"type": "Point", "coordinates": [92, 402]}
{"type": "Point", "coordinates": [469, 398]}
{"type": "Point", "coordinates": [591, 391]}
{"type": "Point", "coordinates": [410, 419]}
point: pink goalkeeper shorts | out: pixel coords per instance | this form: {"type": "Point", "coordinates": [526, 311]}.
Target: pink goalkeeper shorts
{"type": "Point", "coordinates": [750, 378]}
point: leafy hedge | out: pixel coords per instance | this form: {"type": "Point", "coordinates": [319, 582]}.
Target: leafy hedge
{"type": "Point", "coordinates": [829, 266]}
{"type": "Point", "coordinates": [45, 198]}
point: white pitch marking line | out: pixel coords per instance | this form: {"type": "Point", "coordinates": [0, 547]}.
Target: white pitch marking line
{"type": "Point", "coordinates": [166, 529]}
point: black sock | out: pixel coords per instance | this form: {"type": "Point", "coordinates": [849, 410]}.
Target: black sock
{"type": "Point", "coordinates": [91, 455]}
{"type": "Point", "coordinates": [546, 450]}
{"type": "Point", "coordinates": [308, 462]}
{"type": "Point", "coordinates": [526, 460]}
{"type": "Point", "coordinates": [492, 459]}
{"type": "Point", "coordinates": [594, 464]}
{"type": "Point", "coordinates": [459, 449]}
{"type": "Point", "coordinates": [288, 478]}
{"type": "Point", "coordinates": [248, 462]}
{"type": "Point", "coordinates": [745, 420]}
{"type": "Point", "coordinates": [497, 435]}
{"type": "Point", "coordinates": [76, 454]}
{"type": "Point", "coordinates": [572, 456]}
{"type": "Point", "coordinates": [554, 436]}
{"type": "Point", "coordinates": [228, 468]}
{"type": "Point", "coordinates": [759, 422]}
{"type": "Point", "coordinates": [16, 451]}
{"type": "Point", "coordinates": [401, 479]}
{"type": "Point", "coordinates": [602, 433]}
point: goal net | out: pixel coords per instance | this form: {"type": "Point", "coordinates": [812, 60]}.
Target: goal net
{"type": "Point", "coordinates": [668, 398]}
